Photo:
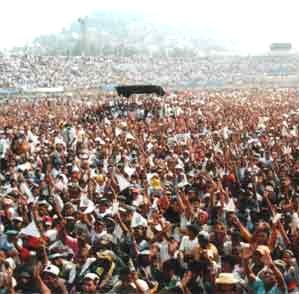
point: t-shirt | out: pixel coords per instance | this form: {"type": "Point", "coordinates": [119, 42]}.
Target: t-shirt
{"type": "Point", "coordinates": [258, 287]}
{"type": "Point", "coordinates": [72, 243]}
{"type": "Point", "coordinates": [187, 245]}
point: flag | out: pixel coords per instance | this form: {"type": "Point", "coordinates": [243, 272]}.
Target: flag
{"type": "Point", "coordinates": [31, 230]}
{"type": "Point", "coordinates": [123, 183]}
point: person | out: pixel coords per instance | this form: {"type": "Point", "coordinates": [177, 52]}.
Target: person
{"type": "Point", "coordinates": [90, 282]}
{"type": "Point", "coordinates": [270, 280]}
{"type": "Point", "coordinates": [167, 202]}
{"type": "Point", "coordinates": [50, 278]}
{"type": "Point", "coordinates": [226, 283]}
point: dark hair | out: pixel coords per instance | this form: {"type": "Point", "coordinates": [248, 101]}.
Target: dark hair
{"type": "Point", "coordinates": [172, 264]}
{"type": "Point", "coordinates": [230, 259]}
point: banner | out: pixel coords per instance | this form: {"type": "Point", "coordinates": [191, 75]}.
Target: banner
{"type": "Point", "coordinates": [123, 183]}
{"type": "Point", "coordinates": [31, 230]}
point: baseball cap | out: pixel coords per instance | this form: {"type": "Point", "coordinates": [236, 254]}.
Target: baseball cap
{"type": "Point", "coordinates": [56, 255]}
{"type": "Point", "coordinates": [262, 249]}
{"type": "Point", "coordinates": [91, 276]}
{"type": "Point", "coordinates": [52, 269]}
{"type": "Point", "coordinates": [226, 279]}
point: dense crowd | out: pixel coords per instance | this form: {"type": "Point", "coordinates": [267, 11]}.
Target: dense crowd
{"type": "Point", "coordinates": [92, 72]}
{"type": "Point", "coordinates": [194, 192]}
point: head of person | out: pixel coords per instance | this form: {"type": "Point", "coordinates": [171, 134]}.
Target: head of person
{"type": "Point", "coordinates": [50, 275]}
{"type": "Point", "coordinates": [228, 263]}
{"type": "Point", "coordinates": [219, 230]}
{"type": "Point", "coordinates": [124, 275]}
{"type": "Point", "coordinates": [288, 257]}
{"type": "Point", "coordinates": [90, 283]}
{"type": "Point", "coordinates": [99, 226]}
{"type": "Point", "coordinates": [17, 222]}
{"type": "Point", "coordinates": [226, 283]}
{"type": "Point", "coordinates": [144, 258]}
{"type": "Point", "coordinates": [203, 239]}
{"type": "Point", "coordinates": [192, 231]}
{"type": "Point", "coordinates": [261, 233]}
{"type": "Point", "coordinates": [69, 209]}
{"type": "Point", "coordinates": [202, 217]}
{"type": "Point", "coordinates": [24, 279]}
{"type": "Point", "coordinates": [57, 259]}
{"type": "Point", "coordinates": [170, 268]}
{"type": "Point", "coordinates": [269, 278]}
{"type": "Point", "coordinates": [259, 253]}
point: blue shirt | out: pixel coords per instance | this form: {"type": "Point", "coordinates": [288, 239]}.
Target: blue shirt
{"type": "Point", "coordinates": [258, 287]}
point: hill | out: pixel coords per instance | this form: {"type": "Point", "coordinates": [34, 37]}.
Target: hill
{"type": "Point", "coordinates": [126, 33]}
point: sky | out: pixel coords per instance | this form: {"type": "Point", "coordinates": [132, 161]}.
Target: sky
{"type": "Point", "coordinates": [251, 24]}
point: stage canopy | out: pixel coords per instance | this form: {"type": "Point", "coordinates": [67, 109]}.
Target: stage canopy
{"type": "Point", "coordinates": [127, 91]}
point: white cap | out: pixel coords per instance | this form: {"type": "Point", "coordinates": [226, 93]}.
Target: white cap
{"type": "Point", "coordinates": [91, 276]}
{"type": "Point", "coordinates": [52, 269]}
{"type": "Point", "coordinates": [11, 263]}
{"type": "Point", "coordinates": [87, 204]}
{"type": "Point", "coordinates": [145, 252]}
{"type": "Point", "coordinates": [158, 228]}
{"type": "Point", "coordinates": [17, 218]}
{"type": "Point", "coordinates": [75, 169]}
{"type": "Point", "coordinates": [142, 285]}
{"type": "Point", "coordinates": [269, 188]}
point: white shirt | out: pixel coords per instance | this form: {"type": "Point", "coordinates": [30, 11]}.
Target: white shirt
{"type": "Point", "coordinates": [188, 245]}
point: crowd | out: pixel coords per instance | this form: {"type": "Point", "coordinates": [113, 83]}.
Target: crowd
{"type": "Point", "coordinates": [194, 192]}
{"type": "Point", "coordinates": [28, 71]}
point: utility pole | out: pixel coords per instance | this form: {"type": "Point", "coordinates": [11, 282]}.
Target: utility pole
{"type": "Point", "coordinates": [83, 37]}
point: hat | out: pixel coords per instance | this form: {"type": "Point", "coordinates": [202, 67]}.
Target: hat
{"type": "Point", "coordinates": [103, 201]}
{"type": "Point", "coordinates": [69, 204]}
{"type": "Point", "coordinates": [204, 216]}
{"type": "Point", "coordinates": [226, 279]}
{"type": "Point", "coordinates": [47, 220]}
{"type": "Point", "coordinates": [203, 236]}
{"type": "Point", "coordinates": [99, 220]}
{"type": "Point", "coordinates": [11, 232]}
{"type": "Point", "coordinates": [269, 188]}
{"type": "Point", "coordinates": [99, 178]}
{"type": "Point", "coordinates": [25, 274]}
{"type": "Point", "coordinates": [280, 263]}
{"type": "Point", "coordinates": [289, 252]}
{"type": "Point", "coordinates": [17, 218]}
{"type": "Point", "coordinates": [88, 205]}
{"type": "Point", "coordinates": [10, 261]}
{"type": "Point", "coordinates": [91, 276]}
{"type": "Point", "coordinates": [56, 255]}
{"type": "Point", "coordinates": [75, 169]}
{"type": "Point", "coordinates": [122, 209]}
{"type": "Point", "coordinates": [52, 269]}
{"type": "Point", "coordinates": [144, 245]}
{"type": "Point", "coordinates": [99, 140]}
{"type": "Point", "coordinates": [158, 228]}
{"type": "Point", "coordinates": [43, 202]}
{"type": "Point", "coordinates": [263, 249]}
{"type": "Point", "coordinates": [145, 252]}
{"type": "Point", "coordinates": [74, 186]}
{"type": "Point", "coordinates": [178, 166]}
{"type": "Point", "coordinates": [138, 221]}
{"type": "Point", "coordinates": [106, 239]}
{"type": "Point", "coordinates": [108, 219]}
{"type": "Point", "coordinates": [84, 156]}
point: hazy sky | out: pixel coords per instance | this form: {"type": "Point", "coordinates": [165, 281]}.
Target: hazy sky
{"type": "Point", "coordinates": [254, 24]}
